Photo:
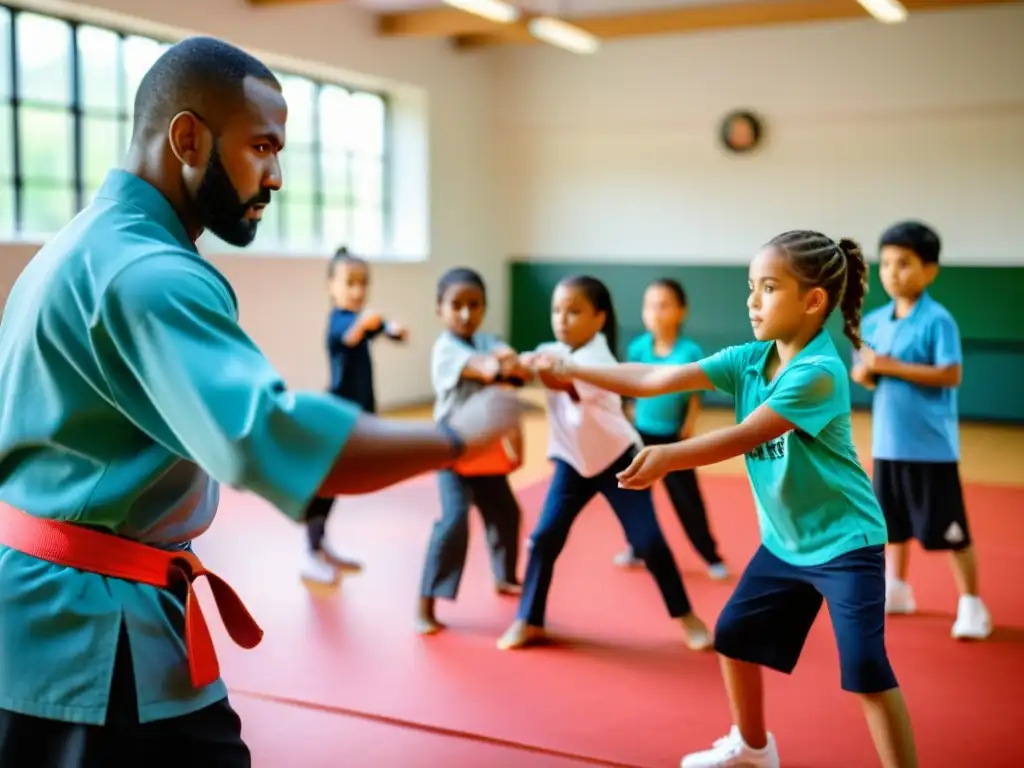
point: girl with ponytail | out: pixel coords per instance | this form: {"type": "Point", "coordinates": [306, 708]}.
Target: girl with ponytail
{"type": "Point", "coordinates": [822, 530]}
{"type": "Point", "coordinates": [590, 441]}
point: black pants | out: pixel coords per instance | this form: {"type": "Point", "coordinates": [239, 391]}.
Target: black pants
{"type": "Point", "coordinates": [567, 495]}
{"type": "Point", "coordinates": [319, 509]}
{"type": "Point", "coordinates": [684, 491]}
{"type": "Point", "coordinates": [449, 540]}
{"type": "Point", "coordinates": [208, 738]}
{"type": "Point", "coordinates": [317, 512]}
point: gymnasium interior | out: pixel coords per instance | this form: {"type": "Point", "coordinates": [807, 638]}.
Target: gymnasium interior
{"type": "Point", "coordinates": [429, 135]}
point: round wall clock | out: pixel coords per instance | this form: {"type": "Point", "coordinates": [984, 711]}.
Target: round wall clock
{"type": "Point", "coordinates": [741, 131]}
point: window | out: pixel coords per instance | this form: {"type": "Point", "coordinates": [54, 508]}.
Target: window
{"type": "Point", "coordinates": [66, 95]}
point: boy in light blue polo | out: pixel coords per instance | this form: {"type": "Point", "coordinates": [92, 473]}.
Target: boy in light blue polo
{"type": "Point", "coordinates": [913, 362]}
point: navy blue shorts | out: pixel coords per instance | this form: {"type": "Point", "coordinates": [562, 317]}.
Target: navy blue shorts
{"type": "Point", "coordinates": [768, 617]}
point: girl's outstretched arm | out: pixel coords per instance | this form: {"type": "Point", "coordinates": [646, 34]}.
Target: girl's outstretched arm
{"type": "Point", "coordinates": [628, 379]}
{"type": "Point", "coordinates": [654, 462]}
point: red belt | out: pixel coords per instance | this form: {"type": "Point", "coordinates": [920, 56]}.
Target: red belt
{"type": "Point", "coordinates": [88, 550]}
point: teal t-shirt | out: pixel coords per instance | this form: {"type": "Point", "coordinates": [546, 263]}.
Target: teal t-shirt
{"type": "Point", "coordinates": [814, 499]}
{"type": "Point", "coordinates": [662, 415]}
{"type": "Point", "coordinates": [128, 394]}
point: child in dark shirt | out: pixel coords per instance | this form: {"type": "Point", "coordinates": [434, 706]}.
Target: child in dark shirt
{"type": "Point", "coordinates": [350, 330]}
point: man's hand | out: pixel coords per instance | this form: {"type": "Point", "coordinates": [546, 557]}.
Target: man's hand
{"type": "Point", "coordinates": [486, 417]}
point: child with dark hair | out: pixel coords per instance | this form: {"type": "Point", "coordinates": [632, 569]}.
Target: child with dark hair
{"type": "Point", "coordinates": [673, 416]}
{"type": "Point", "coordinates": [350, 330]}
{"type": "Point", "coordinates": [590, 440]}
{"type": "Point", "coordinates": [463, 361]}
{"type": "Point", "coordinates": [913, 362]}
{"type": "Point", "coordinates": [822, 530]}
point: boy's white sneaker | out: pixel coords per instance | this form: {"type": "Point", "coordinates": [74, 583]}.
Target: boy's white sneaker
{"type": "Point", "coordinates": [899, 597]}
{"type": "Point", "coordinates": [973, 621]}
{"type": "Point", "coordinates": [732, 752]}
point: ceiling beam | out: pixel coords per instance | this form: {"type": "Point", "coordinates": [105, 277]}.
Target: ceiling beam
{"type": "Point", "coordinates": [470, 32]}
{"type": "Point", "coordinates": [278, 3]}
{"type": "Point", "coordinates": [434, 22]}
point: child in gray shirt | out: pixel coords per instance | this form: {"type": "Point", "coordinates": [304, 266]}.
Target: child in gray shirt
{"type": "Point", "coordinates": [461, 363]}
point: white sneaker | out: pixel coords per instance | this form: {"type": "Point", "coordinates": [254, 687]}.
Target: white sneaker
{"type": "Point", "coordinates": [899, 597]}
{"type": "Point", "coordinates": [718, 572]}
{"type": "Point", "coordinates": [316, 570]}
{"type": "Point", "coordinates": [732, 752]}
{"type": "Point", "coordinates": [338, 560]}
{"type": "Point", "coordinates": [973, 621]}
{"type": "Point", "coordinates": [626, 559]}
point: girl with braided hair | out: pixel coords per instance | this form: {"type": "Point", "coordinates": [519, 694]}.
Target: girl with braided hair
{"type": "Point", "coordinates": [823, 533]}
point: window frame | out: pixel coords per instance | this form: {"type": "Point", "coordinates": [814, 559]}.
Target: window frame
{"type": "Point", "coordinates": [80, 113]}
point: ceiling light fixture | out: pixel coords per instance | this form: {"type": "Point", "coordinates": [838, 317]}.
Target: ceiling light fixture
{"type": "Point", "coordinates": [886, 11]}
{"type": "Point", "coordinates": [493, 10]}
{"type": "Point", "coordinates": [562, 34]}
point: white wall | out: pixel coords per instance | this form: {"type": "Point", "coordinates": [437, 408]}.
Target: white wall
{"type": "Point", "coordinates": [283, 300]}
{"type": "Point", "coordinates": [615, 156]}
{"type": "Point", "coordinates": [533, 151]}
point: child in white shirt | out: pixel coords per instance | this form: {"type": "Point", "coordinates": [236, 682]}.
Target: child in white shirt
{"type": "Point", "coordinates": [590, 441]}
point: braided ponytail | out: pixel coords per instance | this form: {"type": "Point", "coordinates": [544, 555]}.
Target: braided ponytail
{"type": "Point", "coordinates": [852, 302]}
{"type": "Point", "coordinates": [839, 268]}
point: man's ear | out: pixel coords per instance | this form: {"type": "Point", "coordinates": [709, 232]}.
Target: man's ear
{"type": "Point", "coordinates": [187, 136]}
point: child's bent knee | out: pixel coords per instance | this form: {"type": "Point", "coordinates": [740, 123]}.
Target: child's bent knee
{"type": "Point", "coordinates": [731, 632]}
{"type": "Point", "coordinates": [867, 673]}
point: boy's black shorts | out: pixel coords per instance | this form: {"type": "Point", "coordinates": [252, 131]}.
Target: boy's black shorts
{"type": "Point", "coordinates": [923, 500]}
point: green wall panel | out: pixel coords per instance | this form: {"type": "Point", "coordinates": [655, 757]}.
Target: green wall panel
{"type": "Point", "coordinates": [988, 303]}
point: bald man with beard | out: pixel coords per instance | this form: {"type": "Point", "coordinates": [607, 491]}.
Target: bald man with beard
{"type": "Point", "coordinates": [128, 394]}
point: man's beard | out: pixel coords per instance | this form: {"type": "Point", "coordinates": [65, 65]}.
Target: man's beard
{"type": "Point", "coordinates": [220, 209]}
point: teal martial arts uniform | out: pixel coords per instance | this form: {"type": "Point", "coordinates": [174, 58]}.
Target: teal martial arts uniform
{"type": "Point", "coordinates": [128, 393]}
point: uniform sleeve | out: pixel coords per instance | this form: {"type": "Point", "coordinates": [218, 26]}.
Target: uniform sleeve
{"type": "Point", "coordinates": [724, 368]}
{"type": "Point", "coordinates": [447, 361]}
{"type": "Point", "coordinates": [945, 342]}
{"type": "Point", "coordinates": [178, 364]}
{"type": "Point", "coordinates": [806, 395]}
